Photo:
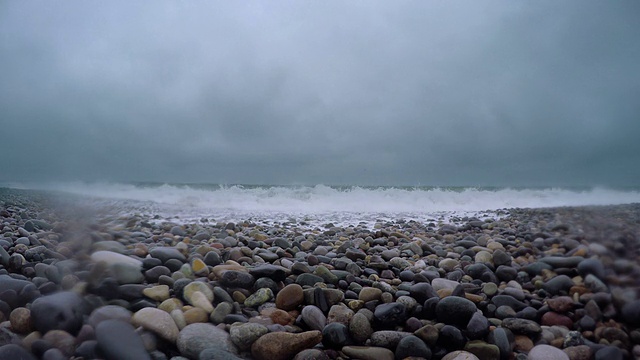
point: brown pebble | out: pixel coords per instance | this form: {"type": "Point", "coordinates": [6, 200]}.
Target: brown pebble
{"type": "Point", "coordinates": [281, 317]}
{"type": "Point", "coordinates": [20, 319]}
{"type": "Point", "coordinates": [560, 304]}
{"type": "Point", "coordinates": [283, 345]}
{"type": "Point", "coordinates": [580, 352]}
{"type": "Point", "coordinates": [290, 297]}
{"type": "Point", "coordinates": [196, 315]}
{"type": "Point", "coordinates": [61, 340]}
{"type": "Point", "coordinates": [557, 343]}
{"type": "Point", "coordinates": [523, 343]}
{"type": "Point", "coordinates": [553, 318]}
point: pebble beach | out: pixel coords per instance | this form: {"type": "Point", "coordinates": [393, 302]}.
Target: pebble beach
{"type": "Point", "coordinates": [78, 282]}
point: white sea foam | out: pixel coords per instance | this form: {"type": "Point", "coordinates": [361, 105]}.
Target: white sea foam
{"type": "Point", "coordinates": [336, 204]}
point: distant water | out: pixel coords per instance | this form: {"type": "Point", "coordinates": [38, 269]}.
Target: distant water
{"type": "Point", "coordinates": [323, 204]}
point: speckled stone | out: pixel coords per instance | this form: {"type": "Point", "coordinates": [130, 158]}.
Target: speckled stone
{"type": "Point", "coordinates": [244, 335]}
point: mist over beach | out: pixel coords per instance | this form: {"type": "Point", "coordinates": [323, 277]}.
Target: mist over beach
{"type": "Point", "coordinates": [319, 180]}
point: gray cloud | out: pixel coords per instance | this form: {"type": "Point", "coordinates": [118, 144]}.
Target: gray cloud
{"type": "Point", "coordinates": [372, 93]}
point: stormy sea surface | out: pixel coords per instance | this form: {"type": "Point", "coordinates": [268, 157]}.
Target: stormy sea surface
{"type": "Point", "coordinates": [183, 271]}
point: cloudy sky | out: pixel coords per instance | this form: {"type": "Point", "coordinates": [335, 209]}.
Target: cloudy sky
{"type": "Point", "coordinates": [334, 92]}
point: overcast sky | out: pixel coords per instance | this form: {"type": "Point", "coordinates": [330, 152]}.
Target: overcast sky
{"type": "Point", "coordinates": [335, 92]}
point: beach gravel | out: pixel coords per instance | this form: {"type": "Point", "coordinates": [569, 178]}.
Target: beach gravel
{"type": "Point", "coordinates": [554, 283]}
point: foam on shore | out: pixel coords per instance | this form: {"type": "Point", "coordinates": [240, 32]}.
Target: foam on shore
{"type": "Point", "coordinates": [320, 203]}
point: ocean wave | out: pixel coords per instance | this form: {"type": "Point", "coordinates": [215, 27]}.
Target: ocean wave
{"type": "Point", "coordinates": [323, 199]}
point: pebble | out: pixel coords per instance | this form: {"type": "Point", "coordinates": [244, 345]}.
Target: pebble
{"type": "Point", "coordinates": [59, 311]}
{"type": "Point", "coordinates": [195, 338]}
{"type": "Point", "coordinates": [412, 346]}
{"type": "Point", "coordinates": [283, 345]}
{"type": "Point", "coordinates": [360, 328]}
{"type": "Point", "coordinates": [60, 340]}
{"type": "Point", "coordinates": [368, 353]}
{"type": "Point", "coordinates": [259, 297]}
{"type": "Point", "coordinates": [112, 258]}
{"type": "Point", "coordinates": [118, 340]}
{"type": "Point", "coordinates": [314, 317]}
{"type": "Point", "coordinates": [335, 335]}
{"type": "Point", "coordinates": [290, 297]}
{"type": "Point", "coordinates": [558, 284]}
{"type": "Point", "coordinates": [631, 312]}
{"type": "Point", "coordinates": [391, 314]}
{"type": "Point", "coordinates": [369, 294]}
{"type": "Point", "coordinates": [504, 340]}
{"type": "Point", "coordinates": [580, 352]}
{"type": "Point", "coordinates": [157, 321]}
{"type": "Point", "coordinates": [311, 354]}
{"type": "Point", "coordinates": [194, 287]}
{"type": "Point", "coordinates": [460, 355]}
{"type": "Point", "coordinates": [220, 311]}
{"type": "Point", "coordinates": [20, 319]}
{"type": "Point", "coordinates": [387, 338]}
{"type": "Point", "coordinates": [522, 326]}
{"type": "Point", "coordinates": [609, 353]}
{"type": "Point", "coordinates": [478, 326]}
{"type": "Point", "coordinates": [244, 335]}
{"type": "Point", "coordinates": [547, 352]}
{"type": "Point", "coordinates": [157, 293]}
{"type": "Point", "coordinates": [166, 253]}
{"type": "Point", "coordinates": [483, 350]}
{"type": "Point", "coordinates": [455, 310]}
{"type": "Point", "coordinates": [12, 351]}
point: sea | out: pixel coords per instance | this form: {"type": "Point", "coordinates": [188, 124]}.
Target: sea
{"type": "Point", "coordinates": [320, 205]}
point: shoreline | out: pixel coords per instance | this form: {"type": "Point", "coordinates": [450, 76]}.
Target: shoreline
{"type": "Point", "coordinates": [540, 281]}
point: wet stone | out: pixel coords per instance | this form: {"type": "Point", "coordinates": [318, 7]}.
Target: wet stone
{"type": "Point", "coordinates": [477, 327]}
{"type": "Point", "coordinates": [547, 352]}
{"type": "Point", "coordinates": [290, 297]}
{"type": "Point", "coordinates": [308, 279]}
{"type": "Point", "coordinates": [166, 253]}
{"type": "Point", "coordinates": [389, 315]}
{"type": "Point", "coordinates": [560, 283]}
{"type": "Point", "coordinates": [195, 338]}
{"type": "Point", "coordinates": [276, 273]}
{"type": "Point", "coordinates": [282, 345]}
{"type": "Point", "coordinates": [368, 353]}
{"type": "Point", "coordinates": [387, 338]}
{"type": "Point", "coordinates": [335, 335]}
{"type": "Point", "coordinates": [412, 346]}
{"type": "Point", "coordinates": [360, 328]}
{"type": "Point", "coordinates": [451, 338]}
{"type": "Point", "coordinates": [455, 310]}
{"type": "Point", "coordinates": [503, 339]}
{"type": "Point", "coordinates": [482, 350]}
{"type": "Point", "coordinates": [60, 311]}
{"type": "Point", "coordinates": [609, 353]}
{"type": "Point", "coordinates": [118, 340]}
{"type": "Point", "coordinates": [12, 351]}
{"type": "Point", "coordinates": [313, 317]}
{"type": "Point", "coordinates": [522, 326]}
{"type": "Point", "coordinates": [246, 334]}
{"type": "Point", "coordinates": [510, 301]}
{"type": "Point", "coordinates": [591, 266]}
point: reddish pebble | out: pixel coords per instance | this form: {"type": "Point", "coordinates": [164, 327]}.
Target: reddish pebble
{"type": "Point", "coordinates": [553, 318]}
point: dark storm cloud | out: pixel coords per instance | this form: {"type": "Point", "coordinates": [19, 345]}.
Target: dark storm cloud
{"type": "Point", "coordinates": [496, 93]}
